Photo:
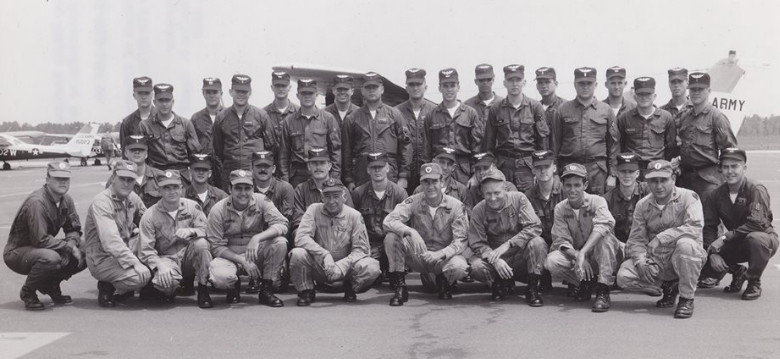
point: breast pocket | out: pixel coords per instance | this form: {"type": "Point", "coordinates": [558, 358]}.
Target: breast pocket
{"type": "Point", "coordinates": [178, 134]}
{"type": "Point", "coordinates": [439, 133]}
{"type": "Point", "coordinates": [296, 141]}
{"type": "Point", "coordinates": [319, 137]}
{"type": "Point", "coordinates": [703, 134]}
{"type": "Point", "coordinates": [657, 136]}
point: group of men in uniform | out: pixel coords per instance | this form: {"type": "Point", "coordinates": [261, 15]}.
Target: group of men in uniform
{"type": "Point", "coordinates": [599, 194]}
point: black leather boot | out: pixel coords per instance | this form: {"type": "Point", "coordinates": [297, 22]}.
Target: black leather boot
{"type": "Point", "coordinates": [738, 278]}
{"type": "Point", "coordinates": [497, 291]}
{"type": "Point", "coordinates": [30, 299]}
{"type": "Point", "coordinates": [305, 298]}
{"type": "Point", "coordinates": [204, 299]}
{"type": "Point", "coordinates": [444, 287]}
{"type": "Point", "coordinates": [186, 287]}
{"type": "Point", "coordinates": [532, 296]}
{"type": "Point", "coordinates": [55, 293]}
{"type": "Point", "coordinates": [583, 292]}
{"type": "Point", "coordinates": [349, 293]}
{"type": "Point", "coordinates": [602, 302]}
{"type": "Point", "coordinates": [684, 308]}
{"type": "Point", "coordinates": [753, 290]}
{"type": "Point", "coordinates": [545, 283]}
{"type": "Point", "coordinates": [572, 291]}
{"type": "Point", "coordinates": [106, 294]}
{"type": "Point", "coordinates": [252, 287]}
{"type": "Point", "coordinates": [671, 291]}
{"type": "Point", "coordinates": [398, 284]}
{"type": "Point", "coordinates": [266, 294]}
{"type": "Point", "coordinates": [234, 294]}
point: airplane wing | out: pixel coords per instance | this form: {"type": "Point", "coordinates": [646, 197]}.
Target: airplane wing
{"type": "Point", "coordinates": [393, 95]}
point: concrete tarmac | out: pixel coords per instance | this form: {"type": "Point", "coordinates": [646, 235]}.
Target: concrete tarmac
{"type": "Point", "coordinates": [469, 326]}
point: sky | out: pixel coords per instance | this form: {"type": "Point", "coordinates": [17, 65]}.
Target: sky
{"type": "Point", "coordinates": [65, 61]}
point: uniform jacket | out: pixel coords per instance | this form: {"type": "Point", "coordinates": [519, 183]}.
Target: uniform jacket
{"type": "Point", "coordinates": [458, 132]}
{"type": "Point", "coordinates": [482, 110]}
{"type": "Point", "coordinates": [585, 133]}
{"type": "Point", "coordinates": [158, 231]}
{"type": "Point", "coordinates": [236, 137]}
{"type": "Point", "coordinates": [513, 132]}
{"type": "Point", "coordinates": [204, 126]}
{"type": "Point", "coordinates": [213, 196]}
{"type": "Point", "coordinates": [672, 109]}
{"type": "Point", "coordinates": [110, 224]}
{"type": "Point", "coordinates": [230, 230]}
{"type": "Point", "coordinates": [626, 105]}
{"type": "Point", "coordinates": [622, 208]}
{"type": "Point", "coordinates": [545, 208]}
{"type": "Point", "coordinates": [307, 194]}
{"type": "Point", "coordinates": [148, 190]}
{"type": "Point", "coordinates": [570, 231]}
{"type": "Point", "coordinates": [416, 126]}
{"type": "Point", "coordinates": [374, 210]}
{"type": "Point", "coordinates": [516, 222]}
{"type": "Point", "coordinates": [703, 135]}
{"type": "Point", "coordinates": [453, 189]}
{"type": "Point", "coordinates": [333, 110]}
{"type": "Point", "coordinates": [474, 193]}
{"type": "Point", "coordinates": [653, 139]}
{"type": "Point", "coordinates": [750, 212]}
{"type": "Point", "coordinates": [131, 125]}
{"type": "Point", "coordinates": [343, 236]}
{"type": "Point", "coordinates": [276, 118]}
{"type": "Point", "coordinates": [39, 219]}
{"type": "Point", "coordinates": [300, 134]}
{"type": "Point", "coordinates": [173, 145]}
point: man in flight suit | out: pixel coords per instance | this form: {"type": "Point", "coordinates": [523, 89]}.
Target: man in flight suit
{"type": "Point", "coordinates": [342, 106]}
{"type": "Point", "coordinates": [131, 125]}
{"type": "Point", "coordinates": [279, 109]}
{"type": "Point", "coordinates": [415, 110]}
{"type": "Point", "coordinates": [484, 78]}
{"type": "Point", "coordinates": [616, 85]}
{"type": "Point", "coordinates": [203, 120]}
{"type": "Point", "coordinates": [678, 86]}
{"type": "Point", "coordinates": [546, 84]}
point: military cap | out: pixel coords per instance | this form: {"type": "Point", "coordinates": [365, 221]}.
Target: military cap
{"type": "Point", "coordinates": [659, 169]}
{"type": "Point", "coordinates": [163, 91]}
{"type": "Point", "coordinates": [307, 85]}
{"type": "Point", "coordinates": [241, 82]}
{"type": "Point", "coordinates": [415, 75]}
{"type": "Point", "coordinates": [627, 161]}
{"type": "Point", "coordinates": [584, 74]}
{"type": "Point", "coordinates": [343, 81]}
{"type": "Point", "coordinates": [263, 157]}
{"type": "Point", "coordinates": [514, 70]}
{"type": "Point", "coordinates": [430, 170]}
{"type": "Point", "coordinates": [484, 158]}
{"type": "Point", "coordinates": [168, 177]}
{"type": "Point", "coordinates": [446, 152]}
{"type": "Point", "coordinates": [484, 71]}
{"type": "Point", "coordinates": [212, 83]}
{"type": "Point", "coordinates": [542, 158]}
{"type": "Point", "coordinates": [376, 159]}
{"type": "Point", "coordinates": [616, 71]}
{"type": "Point", "coordinates": [136, 141]}
{"type": "Point", "coordinates": [493, 174]}
{"type": "Point", "coordinates": [448, 75]}
{"type": "Point", "coordinates": [125, 168]}
{"type": "Point", "coordinates": [241, 176]}
{"type": "Point", "coordinates": [699, 80]}
{"type": "Point", "coordinates": [58, 169]}
{"type": "Point", "coordinates": [644, 85]}
{"type": "Point", "coordinates": [142, 83]}
{"type": "Point", "coordinates": [545, 73]}
{"type": "Point", "coordinates": [733, 153]}
{"type": "Point", "coordinates": [575, 169]}
{"type": "Point", "coordinates": [318, 154]}
{"type": "Point", "coordinates": [678, 73]}
{"type": "Point", "coordinates": [332, 185]}
{"type": "Point", "coordinates": [280, 78]}
{"type": "Point", "coordinates": [372, 78]}
{"type": "Point", "coordinates": [201, 160]}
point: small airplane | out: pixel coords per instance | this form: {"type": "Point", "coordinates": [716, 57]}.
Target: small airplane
{"type": "Point", "coordinates": [80, 145]}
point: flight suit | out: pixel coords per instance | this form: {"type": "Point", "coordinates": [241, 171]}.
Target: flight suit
{"type": "Point", "coordinates": [545, 207]}
{"type": "Point", "coordinates": [458, 132]}
{"type": "Point", "coordinates": [282, 195]}
{"type": "Point", "coordinates": [374, 210]}
{"type": "Point", "coordinates": [482, 109]}
{"type": "Point", "coordinates": [131, 125]}
{"type": "Point", "coordinates": [474, 193]}
{"type": "Point", "coordinates": [650, 139]}
{"type": "Point", "coordinates": [204, 127]}
{"type": "Point", "coordinates": [416, 125]}
{"type": "Point", "coordinates": [333, 110]}
{"type": "Point", "coordinates": [236, 137]}
{"type": "Point", "coordinates": [148, 189]}
{"type": "Point", "coordinates": [299, 135]}
{"type": "Point", "coordinates": [453, 189]}
{"type": "Point", "coordinates": [213, 196]}
{"type": "Point", "coordinates": [305, 195]}
{"type": "Point", "coordinates": [622, 208]}
{"type": "Point", "coordinates": [171, 147]}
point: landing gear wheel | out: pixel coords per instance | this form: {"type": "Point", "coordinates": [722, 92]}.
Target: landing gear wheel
{"type": "Point", "coordinates": [97, 162]}
{"type": "Point", "coordinates": [83, 162]}
{"type": "Point", "coordinates": [6, 166]}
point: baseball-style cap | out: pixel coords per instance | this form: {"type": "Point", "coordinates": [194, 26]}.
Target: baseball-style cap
{"type": "Point", "coordinates": [58, 169]}
{"type": "Point", "coordinates": [372, 78]}
{"type": "Point", "coordinates": [142, 83]}
{"type": "Point", "coordinates": [493, 174]}
{"type": "Point", "coordinates": [241, 82]}
{"type": "Point", "coordinates": [575, 169]}
{"type": "Point", "coordinates": [241, 176]}
{"type": "Point", "coordinates": [343, 81]}
{"type": "Point", "coordinates": [125, 168]}
{"type": "Point", "coordinates": [659, 169]}
{"type": "Point", "coordinates": [168, 177]}
{"type": "Point", "coordinates": [448, 75]}
{"type": "Point", "coordinates": [446, 152]}
{"type": "Point", "coordinates": [263, 157]}
{"type": "Point", "coordinates": [644, 85]}
{"type": "Point", "coordinates": [514, 70]}
{"type": "Point", "coordinates": [307, 85]}
{"type": "Point", "coordinates": [483, 71]}
{"type": "Point", "coordinates": [616, 71]}
{"type": "Point", "coordinates": [378, 159]}
{"type": "Point", "coordinates": [318, 154]}
{"type": "Point", "coordinates": [200, 160]}
{"type": "Point", "coordinates": [280, 78]}
{"type": "Point", "coordinates": [542, 158]}
{"type": "Point", "coordinates": [584, 74]}
{"type": "Point", "coordinates": [212, 83]}
{"type": "Point", "coordinates": [678, 73]}
{"type": "Point", "coordinates": [163, 91]}
{"type": "Point", "coordinates": [415, 75]}
{"type": "Point", "coordinates": [136, 141]}
{"type": "Point", "coordinates": [484, 158]}
{"type": "Point", "coordinates": [332, 185]}
{"type": "Point", "coordinates": [545, 73]}
{"type": "Point", "coordinates": [430, 170]}
{"type": "Point", "coordinates": [733, 153]}
{"type": "Point", "coordinates": [699, 80]}
{"type": "Point", "coordinates": [627, 161]}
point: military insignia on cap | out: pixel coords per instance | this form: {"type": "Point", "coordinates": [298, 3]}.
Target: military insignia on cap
{"type": "Point", "coordinates": [342, 77]}
{"type": "Point", "coordinates": [484, 66]}
{"type": "Point", "coordinates": [242, 78]}
{"type": "Point", "coordinates": [163, 87]}
{"type": "Point", "coordinates": [697, 75]}
{"type": "Point", "coordinates": [731, 149]}
{"type": "Point", "coordinates": [330, 182]}
{"type": "Point", "coordinates": [513, 67]}
{"type": "Point", "coordinates": [279, 74]}
{"type": "Point", "coordinates": [428, 169]}
{"type": "Point", "coordinates": [479, 156]}
{"type": "Point", "coordinates": [168, 174]}
{"type": "Point", "coordinates": [627, 157]}
{"type": "Point", "coordinates": [129, 167]}
{"type": "Point", "coordinates": [643, 79]}
{"type": "Point", "coordinates": [448, 150]}
{"type": "Point", "coordinates": [375, 154]}
{"type": "Point", "coordinates": [142, 81]}
{"type": "Point", "coordinates": [137, 137]}
{"type": "Point", "coordinates": [200, 156]}
{"type": "Point", "coordinates": [447, 72]}
{"type": "Point", "coordinates": [62, 165]}
{"type": "Point", "coordinates": [540, 153]}
{"type": "Point", "coordinates": [657, 166]}
{"type": "Point", "coordinates": [415, 70]}
{"type": "Point", "coordinates": [584, 71]}
{"type": "Point", "coordinates": [572, 167]}
{"type": "Point", "coordinates": [241, 173]}
{"type": "Point", "coordinates": [543, 70]}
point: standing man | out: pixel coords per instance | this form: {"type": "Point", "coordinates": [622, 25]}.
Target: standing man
{"type": "Point", "coordinates": [485, 98]}
{"type": "Point", "coordinates": [584, 132]}
{"type": "Point", "coordinates": [33, 251]}
{"type": "Point", "coordinates": [108, 147]}
{"type": "Point", "coordinates": [332, 246]}
{"type": "Point", "coordinates": [622, 199]}
{"type": "Point", "coordinates": [546, 84]}
{"type": "Point", "coordinates": [616, 84]}
{"type": "Point", "coordinates": [342, 106]}
{"type": "Point", "coordinates": [171, 138]}
{"type": "Point", "coordinates": [247, 234]}
{"type": "Point", "coordinates": [431, 243]}
{"type": "Point", "coordinates": [306, 128]}
{"type": "Point", "coordinates": [453, 125]}
{"type": "Point", "coordinates": [111, 237]}
{"type": "Point", "coordinates": [199, 190]}
{"type": "Point", "coordinates": [240, 130]}
{"type": "Point", "coordinates": [743, 206]}
{"type": "Point", "coordinates": [504, 236]}
{"type": "Point", "coordinates": [415, 110]}
{"type": "Point", "coordinates": [665, 244]}
{"type": "Point", "coordinates": [516, 127]}
{"type": "Point", "coordinates": [375, 127]}
{"type": "Point", "coordinates": [173, 242]}
{"type": "Point", "coordinates": [310, 192]}
{"type": "Point", "coordinates": [203, 120]}
{"type": "Point", "coordinates": [374, 200]}
{"type": "Point", "coordinates": [279, 108]}
{"type": "Point", "coordinates": [678, 85]}
{"type": "Point", "coordinates": [646, 130]}
{"type": "Point", "coordinates": [584, 250]}
{"type": "Point", "coordinates": [142, 93]}
{"type": "Point", "coordinates": [704, 132]}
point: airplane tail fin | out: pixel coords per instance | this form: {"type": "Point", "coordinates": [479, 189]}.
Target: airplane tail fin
{"type": "Point", "coordinates": [81, 143]}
